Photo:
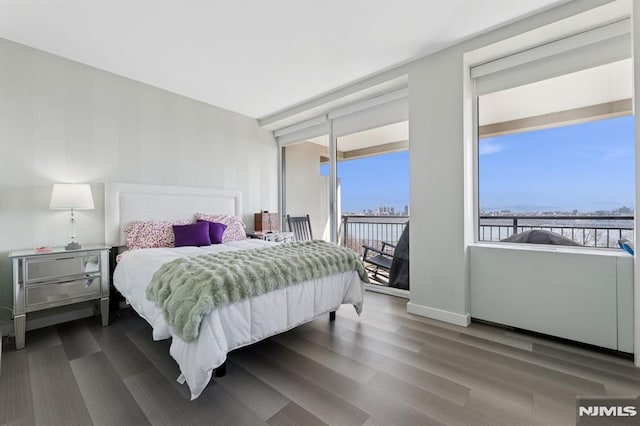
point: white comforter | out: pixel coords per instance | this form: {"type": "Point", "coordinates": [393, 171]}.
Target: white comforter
{"type": "Point", "coordinates": [231, 326]}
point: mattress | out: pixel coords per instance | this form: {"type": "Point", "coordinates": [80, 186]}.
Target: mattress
{"type": "Point", "coordinates": [235, 325]}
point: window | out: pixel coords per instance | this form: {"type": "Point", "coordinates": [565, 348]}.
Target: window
{"type": "Point", "coordinates": [556, 159]}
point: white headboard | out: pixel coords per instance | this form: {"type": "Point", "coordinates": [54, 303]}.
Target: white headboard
{"type": "Point", "coordinates": [129, 202]}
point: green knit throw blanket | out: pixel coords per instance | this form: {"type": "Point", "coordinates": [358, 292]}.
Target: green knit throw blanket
{"type": "Point", "coordinates": [188, 288]}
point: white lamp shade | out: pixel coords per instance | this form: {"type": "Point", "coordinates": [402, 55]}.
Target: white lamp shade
{"type": "Point", "coordinates": [71, 196]}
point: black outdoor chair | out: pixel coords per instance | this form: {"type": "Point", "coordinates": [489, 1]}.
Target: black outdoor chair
{"type": "Point", "coordinates": [378, 261]}
{"type": "Point", "coordinates": [301, 227]}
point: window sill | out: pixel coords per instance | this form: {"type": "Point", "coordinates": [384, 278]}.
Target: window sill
{"type": "Point", "coordinates": [599, 251]}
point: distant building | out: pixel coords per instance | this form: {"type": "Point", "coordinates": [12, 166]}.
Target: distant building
{"type": "Point", "coordinates": [623, 211]}
{"type": "Point", "coordinates": [385, 211]}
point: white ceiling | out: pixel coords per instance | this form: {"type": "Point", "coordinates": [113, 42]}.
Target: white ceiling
{"type": "Point", "coordinates": [592, 86]}
{"type": "Point", "coordinates": [398, 132]}
{"type": "Point", "coordinates": [251, 56]}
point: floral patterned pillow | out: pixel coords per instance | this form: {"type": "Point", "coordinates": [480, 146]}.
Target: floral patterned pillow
{"type": "Point", "coordinates": [235, 227]}
{"type": "Point", "coordinates": [151, 234]}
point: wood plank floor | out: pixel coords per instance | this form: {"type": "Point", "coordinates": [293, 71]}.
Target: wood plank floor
{"type": "Point", "coordinates": [384, 368]}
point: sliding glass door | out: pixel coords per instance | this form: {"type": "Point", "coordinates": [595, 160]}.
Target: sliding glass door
{"type": "Point", "coordinates": [349, 171]}
{"type": "Point", "coordinates": [373, 175]}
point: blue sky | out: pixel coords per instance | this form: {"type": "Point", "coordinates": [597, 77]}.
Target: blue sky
{"type": "Point", "coordinates": [588, 166]}
{"type": "Point", "coordinates": [372, 182]}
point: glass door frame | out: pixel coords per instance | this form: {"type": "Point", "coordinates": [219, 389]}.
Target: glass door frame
{"type": "Point", "coordinates": [334, 220]}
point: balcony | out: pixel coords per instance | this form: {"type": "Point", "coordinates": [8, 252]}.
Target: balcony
{"type": "Point", "coordinates": [359, 230]}
{"type": "Point", "coordinates": [356, 231]}
{"type": "Point", "coordinates": [587, 230]}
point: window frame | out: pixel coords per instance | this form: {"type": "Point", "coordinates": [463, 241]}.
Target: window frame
{"type": "Point", "coordinates": [481, 63]}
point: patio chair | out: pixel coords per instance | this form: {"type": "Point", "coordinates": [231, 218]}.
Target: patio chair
{"type": "Point", "coordinates": [301, 227]}
{"type": "Point", "coordinates": [399, 274]}
{"type": "Point", "coordinates": [378, 261]}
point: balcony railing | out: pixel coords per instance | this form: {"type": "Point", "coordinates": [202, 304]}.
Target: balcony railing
{"type": "Point", "coordinates": [356, 231]}
{"type": "Point", "coordinates": [589, 231]}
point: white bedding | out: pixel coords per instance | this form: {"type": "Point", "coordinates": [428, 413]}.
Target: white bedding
{"type": "Point", "coordinates": [235, 325]}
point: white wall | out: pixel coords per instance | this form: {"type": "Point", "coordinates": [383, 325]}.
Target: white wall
{"type": "Point", "coordinates": [580, 295]}
{"type": "Point", "coordinates": [438, 278]}
{"type": "Point", "coordinates": [61, 121]}
{"type": "Point", "coordinates": [440, 266]}
{"type": "Point", "coordinates": [307, 190]}
{"type": "Point", "coordinates": [636, 104]}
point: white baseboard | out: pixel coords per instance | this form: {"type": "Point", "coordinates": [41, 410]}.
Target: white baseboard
{"type": "Point", "coordinates": [438, 314]}
{"type": "Point", "coordinates": [388, 290]}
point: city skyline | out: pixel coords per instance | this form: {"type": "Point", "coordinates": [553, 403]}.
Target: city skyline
{"type": "Point", "coordinates": [622, 211]}
{"type": "Point", "coordinates": [372, 182]}
{"type": "Point", "coordinates": [381, 211]}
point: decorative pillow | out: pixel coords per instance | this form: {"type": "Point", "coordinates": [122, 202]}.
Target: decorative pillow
{"type": "Point", "coordinates": [235, 228]}
{"type": "Point", "coordinates": [193, 234]}
{"type": "Point", "coordinates": [216, 231]}
{"type": "Point", "coordinates": [151, 234]}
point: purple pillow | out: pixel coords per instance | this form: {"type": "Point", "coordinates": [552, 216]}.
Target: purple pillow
{"type": "Point", "coordinates": [216, 230]}
{"type": "Point", "coordinates": [194, 234]}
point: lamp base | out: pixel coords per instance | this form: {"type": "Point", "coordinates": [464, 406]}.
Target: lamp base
{"type": "Point", "coordinates": [73, 246]}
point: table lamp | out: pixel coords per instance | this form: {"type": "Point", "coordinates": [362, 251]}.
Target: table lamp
{"type": "Point", "coordinates": [74, 197]}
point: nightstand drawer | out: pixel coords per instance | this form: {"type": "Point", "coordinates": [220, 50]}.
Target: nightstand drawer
{"type": "Point", "coordinates": [47, 268]}
{"type": "Point", "coordinates": [53, 292]}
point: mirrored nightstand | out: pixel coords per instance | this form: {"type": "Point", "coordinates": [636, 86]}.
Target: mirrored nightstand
{"type": "Point", "coordinates": [57, 278]}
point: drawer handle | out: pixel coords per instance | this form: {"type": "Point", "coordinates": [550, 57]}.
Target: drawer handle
{"type": "Point", "coordinates": [87, 284]}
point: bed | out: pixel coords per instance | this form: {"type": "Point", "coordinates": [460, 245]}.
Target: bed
{"type": "Point", "coordinates": [227, 327]}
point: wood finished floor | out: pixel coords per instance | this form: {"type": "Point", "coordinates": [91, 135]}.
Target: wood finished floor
{"type": "Point", "coordinates": [385, 368]}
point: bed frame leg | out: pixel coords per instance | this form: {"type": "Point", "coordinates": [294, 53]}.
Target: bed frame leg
{"type": "Point", "coordinates": [221, 370]}
{"type": "Point", "coordinates": [332, 316]}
